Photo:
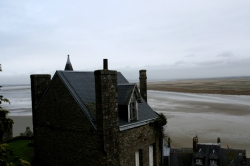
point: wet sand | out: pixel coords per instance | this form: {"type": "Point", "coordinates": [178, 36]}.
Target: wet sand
{"type": "Point", "coordinates": [207, 116]}
{"type": "Point", "coordinates": [231, 86]}
{"type": "Point", "coordinates": [188, 115]}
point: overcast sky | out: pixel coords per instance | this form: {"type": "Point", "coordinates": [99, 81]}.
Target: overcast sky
{"type": "Point", "coordinates": [170, 39]}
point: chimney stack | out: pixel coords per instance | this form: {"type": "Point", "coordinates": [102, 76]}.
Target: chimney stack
{"type": "Point", "coordinates": [218, 140]}
{"type": "Point", "coordinates": [143, 84]}
{"type": "Point", "coordinates": [169, 142]}
{"type": "Point", "coordinates": [195, 142]}
{"type": "Point", "coordinates": [39, 83]}
{"type": "Point", "coordinates": [107, 111]}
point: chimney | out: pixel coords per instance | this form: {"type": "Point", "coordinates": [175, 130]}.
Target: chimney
{"type": "Point", "coordinates": [143, 84]}
{"type": "Point", "coordinates": [218, 140]}
{"type": "Point", "coordinates": [195, 142]}
{"type": "Point", "coordinates": [107, 111]}
{"type": "Point", "coordinates": [39, 83]}
{"type": "Point", "coordinates": [169, 142]}
{"type": "Point", "coordinates": [105, 64]}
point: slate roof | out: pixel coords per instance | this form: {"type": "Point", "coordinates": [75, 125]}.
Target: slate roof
{"type": "Point", "coordinates": [214, 155]}
{"type": "Point", "coordinates": [199, 154]}
{"type": "Point", "coordinates": [82, 87]}
{"type": "Point", "coordinates": [125, 91]}
{"type": "Point", "coordinates": [227, 157]}
{"type": "Point", "coordinates": [233, 157]}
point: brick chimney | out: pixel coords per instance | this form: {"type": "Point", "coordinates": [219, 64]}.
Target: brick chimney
{"type": "Point", "coordinates": [107, 111]}
{"type": "Point", "coordinates": [39, 83]}
{"type": "Point", "coordinates": [218, 140]}
{"type": "Point", "coordinates": [143, 84]}
{"type": "Point", "coordinates": [195, 142]}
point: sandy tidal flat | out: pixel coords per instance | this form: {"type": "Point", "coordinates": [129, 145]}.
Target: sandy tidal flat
{"type": "Point", "coordinates": [206, 115]}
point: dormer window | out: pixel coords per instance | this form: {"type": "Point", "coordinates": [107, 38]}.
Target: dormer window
{"type": "Point", "coordinates": [129, 100]}
{"type": "Point", "coordinates": [199, 157]}
{"type": "Point", "coordinates": [213, 158]}
{"type": "Point", "coordinates": [133, 108]}
{"type": "Point", "coordinates": [199, 161]}
{"type": "Point", "coordinates": [213, 162]}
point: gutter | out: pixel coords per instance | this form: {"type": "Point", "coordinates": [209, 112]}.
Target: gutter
{"type": "Point", "coordinates": [136, 124]}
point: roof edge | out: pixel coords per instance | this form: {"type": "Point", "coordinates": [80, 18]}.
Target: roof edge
{"type": "Point", "coordinates": [136, 124]}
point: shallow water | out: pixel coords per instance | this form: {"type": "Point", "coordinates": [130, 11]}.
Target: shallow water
{"type": "Point", "coordinates": [20, 99]}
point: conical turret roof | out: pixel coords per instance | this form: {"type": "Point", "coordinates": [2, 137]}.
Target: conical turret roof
{"type": "Point", "coordinates": [68, 65]}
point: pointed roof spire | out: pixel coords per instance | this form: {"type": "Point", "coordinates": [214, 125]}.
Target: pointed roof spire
{"type": "Point", "coordinates": [68, 65]}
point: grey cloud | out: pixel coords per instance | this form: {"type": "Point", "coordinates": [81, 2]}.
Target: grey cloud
{"type": "Point", "coordinates": [190, 55]}
{"type": "Point", "coordinates": [180, 62]}
{"type": "Point", "coordinates": [225, 54]}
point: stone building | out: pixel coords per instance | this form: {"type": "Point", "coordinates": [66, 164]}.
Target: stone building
{"type": "Point", "coordinates": [208, 154]}
{"type": "Point", "coordinates": [94, 118]}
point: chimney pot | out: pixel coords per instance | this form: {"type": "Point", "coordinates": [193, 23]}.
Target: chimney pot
{"type": "Point", "coordinates": [105, 64]}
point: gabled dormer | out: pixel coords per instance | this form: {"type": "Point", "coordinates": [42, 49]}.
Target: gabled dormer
{"type": "Point", "coordinates": [213, 158]}
{"type": "Point", "coordinates": [128, 99]}
{"type": "Point", "coordinates": [199, 158]}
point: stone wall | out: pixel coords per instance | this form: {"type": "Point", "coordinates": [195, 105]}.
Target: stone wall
{"type": "Point", "coordinates": [135, 139]}
{"type": "Point", "coordinates": [107, 113]}
{"type": "Point", "coordinates": [39, 83]}
{"type": "Point", "coordinates": [64, 135]}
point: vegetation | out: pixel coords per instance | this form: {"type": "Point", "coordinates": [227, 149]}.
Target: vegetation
{"type": "Point", "coordinates": [5, 123]}
{"type": "Point", "coordinates": [22, 154]}
{"type": "Point", "coordinates": [161, 120]}
{"type": "Point", "coordinates": [8, 151]}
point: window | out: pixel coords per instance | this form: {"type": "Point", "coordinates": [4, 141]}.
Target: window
{"type": "Point", "coordinates": [133, 114]}
{"type": "Point", "coordinates": [214, 162]}
{"type": "Point", "coordinates": [138, 158]}
{"type": "Point", "coordinates": [151, 155]}
{"type": "Point", "coordinates": [199, 161]}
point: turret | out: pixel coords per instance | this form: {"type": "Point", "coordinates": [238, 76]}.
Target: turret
{"type": "Point", "coordinates": [68, 65]}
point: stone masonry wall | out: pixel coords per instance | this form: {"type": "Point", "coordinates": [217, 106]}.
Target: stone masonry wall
{"type": "Point", "coordinates": [138, 138]}
{"type": "Point", "coordinates": [107, 113]}
{"type": "Point", "coordinates": [64, 134]}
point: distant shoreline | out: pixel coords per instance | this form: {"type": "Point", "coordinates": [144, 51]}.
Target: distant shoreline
{"type": "Point", "coordinates": [226, 86]}
{"type": "Point", "coordinates": [223, 92]}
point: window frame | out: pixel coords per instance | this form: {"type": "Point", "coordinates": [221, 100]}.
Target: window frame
{"type": "Point", "coordinates": [198, 161]}
{"type": "Point", "coordinates": [133, 108]}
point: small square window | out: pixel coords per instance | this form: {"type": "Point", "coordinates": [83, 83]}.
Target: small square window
{"type": "Point", "coordinates": [199, 161]}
